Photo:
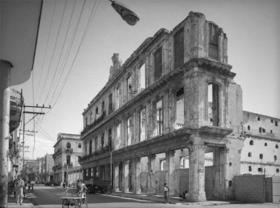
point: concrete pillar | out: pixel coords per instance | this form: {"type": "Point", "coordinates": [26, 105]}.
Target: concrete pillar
{"type": "Point", "coordinates": [116, 178]}
{"type": "Point", "coordinates": [196, 169]}
{"type": "Point", "coordinates": [137, 175]}
{"type": "Point", "coordinates": [126, 176]}
{"type": "Point", "coordinates": [170, 160]}
{"type": "Point", "coordinates": [5, 68]}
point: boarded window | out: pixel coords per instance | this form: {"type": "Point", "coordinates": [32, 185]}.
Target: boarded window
{"type": "Point", "coordinates": [158, 63]}
{"type": "Point", "coordinates": [213, 41]}
{"type": "Point", "coordinates": [179, 48]}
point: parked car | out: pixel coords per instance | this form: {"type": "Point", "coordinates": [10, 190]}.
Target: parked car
{"type": "Point", "coordinates": [97, 185]}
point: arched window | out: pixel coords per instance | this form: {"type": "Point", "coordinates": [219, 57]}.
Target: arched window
{"type": "Point", "coordinates": [251, 142]}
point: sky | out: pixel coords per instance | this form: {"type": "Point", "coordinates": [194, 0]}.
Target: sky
{"type": "Point", "coordinates": [74, 51]}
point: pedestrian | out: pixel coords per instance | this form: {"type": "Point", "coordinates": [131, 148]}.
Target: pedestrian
{"type": "Point", "coordinates": [166, 190]}
{"type": "Point", "coordinates": [19, 190]}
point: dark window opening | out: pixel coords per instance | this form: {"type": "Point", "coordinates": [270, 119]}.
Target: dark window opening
{"type": "Point", "coordinates": [276, 123]}
{"type": "Point", "coordinates": [250, 168]}
{"type": "Point", "coordinates": [260, 130]}
{"type": "Point", "coordinates": [102, 141]}
{"type": "Point", "coordinates": [103, 107]}
{"type": "Point", "coordinates": [110, 139]}
{"type": "Point", "coordinates": [230, 163]}
{"type": "Point", "coordinates": [110, 103]}
{"type": "Point", "coordinates": [68, 159]}
{"type": "Point", "coordinates": [277, 170]}
{"type": "Point", "coordinates": [258, 118]}
{"type": "Point", "coordinates": [213, 104]}
{"type": "Point", "coordinates": [271, 121]}
{"type": "Point", "coordinates": [261, 156]}
{"type": "Point", "coordinates": [265, 144]}
{"type": "Point", "coordinates": [90, 147]}
{"type": "Point", "coordinates": [260, 169]}
{"type": "Point", "coordinates": [271, 131]}
{"type": "Point", "coordinates": [249, 154]}
{"type": "Point", "coordinates": [179, 48]}
{"type": "Point", "coordinates": [263, 130]}
{"type": "Point", "coordinates": [158, 63]}
{"type": "Point", "coordinates": [249, 128]}
{"type": "Point", "coordinates": [275, 158]}
{"type": "Point", "coordinates": [180, 92]}
{"type": "Point", "coordinates": [251, 142]}
{"type": "Point", "coordinates": [229, 183]}
{"type": "Point", "coordinates": [79, 145]}
{"type": "Point", "coordinates": [213, 41]}
{"type": "Point", "coordinates": [276, 146]}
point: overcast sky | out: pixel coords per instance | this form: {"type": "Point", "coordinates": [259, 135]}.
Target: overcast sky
{"type": "Point", "coordinates": [73, 56]}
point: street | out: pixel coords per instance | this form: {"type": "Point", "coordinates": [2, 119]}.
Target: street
{"type": "Point", "coordinates": [49, 197]}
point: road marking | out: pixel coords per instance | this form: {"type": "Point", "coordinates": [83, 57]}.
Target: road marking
{"type": "Point", "coordinates": [122, 197]}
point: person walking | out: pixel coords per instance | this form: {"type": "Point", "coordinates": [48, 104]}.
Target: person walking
{"type": "Point", "coordinates": [19, 185]}
{"type": "Point", "coordinates": [166, 190]}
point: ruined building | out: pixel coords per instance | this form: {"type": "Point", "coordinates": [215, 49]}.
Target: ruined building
{"type": "Point", "coordinates": [171, 103]}
{"type": "Point", "coordinates": [173, 113]}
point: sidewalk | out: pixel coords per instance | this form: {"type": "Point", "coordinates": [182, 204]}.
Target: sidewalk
{"type": "Point", "coordinates": [172, 200]}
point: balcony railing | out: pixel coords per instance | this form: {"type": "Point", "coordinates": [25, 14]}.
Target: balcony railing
{"type": "Point", "coordinates": [98, 120]}
{"type": "Point", "coordinates": [69, 151]}
{"type": "Point", "coordinates": [98, 152]}
{"type": "Point", "coordinates": [68, 165]}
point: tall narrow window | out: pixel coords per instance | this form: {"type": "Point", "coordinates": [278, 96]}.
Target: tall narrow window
{"type": "Point", "coordinates": [118, 137]}
{"type": "Point", "coordinates": [142, 80]}
{"type": "Point", "coordinates": [95, 144]}
{"type": "Point", "coordinates": [117, 91]}
{"type": "Point", "coordinates": [96, 113]}
{"type": "Point", "coordinates": [110, 138]}
{"type": "Point", "coordinates": [103, 107]}
{"type": "Point", "coordinates": [213, 104]}
{"type": "Point", "coordinates": [158, 63]}
{"type": "Point", "coordinates": [130, 91]}
{"type": "Point", "coordinates": [90, 147]}
{"type": "Point", "coordinates": [159, 118]}
{"type": "Point", "coordinates": [110, 103]}
{"type": "Point", "coordinates": [179, 122]}
{"type": "Point", "coordinates": [68, 159]}
{"type": "Point", "coordinates": [179, 48]}
{"type": "Point", "coordinates": [129, 131]}
{"type": "Point", "coordinates": [142, 119]}
{"type": "Point", "coordinates": [102, 140]}
{"type": "Point", "coordinates": [213, 41]}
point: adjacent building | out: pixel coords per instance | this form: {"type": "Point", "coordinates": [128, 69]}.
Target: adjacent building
{"type": "Point", "coordinates": [67, 151]}
{"type": "Point", "coordinates": [171, 113]}
{"type": "Point", "coordinates": [45, 165]}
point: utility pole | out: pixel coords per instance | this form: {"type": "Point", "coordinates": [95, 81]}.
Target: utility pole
{"type": "Point", "coordinates": [34, 113]}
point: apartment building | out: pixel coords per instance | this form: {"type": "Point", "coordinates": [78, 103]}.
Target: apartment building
{"type": "Point", "coordinates": [67, 151]}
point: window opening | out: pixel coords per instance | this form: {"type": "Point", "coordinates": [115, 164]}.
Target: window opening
{"type": "Point", "coordinates": [159, 117]}
{"type": "Point", "coordinates": [213, 103]}
{"type": "Point", "coordinates": [142, 74]}
{"type": "Point", "coordinates": [251, 142]}
{"type": "Point", "coordinates": [68, 145]}
{"type": "Point", "coordinates": [179, 48]}
{"type": "Point", "coordinates": [249, 128]}
{"type": "Point", "coordinates": [90, 147]}
{"type": "Point", "coordinates": [110, 103]}
{"type": "Point", "coordinates": [213, 41]}
{"type": "Point", "coordinates": [249, 154]}
{"type": "Point", "coordinates": [158, 63]}
{"type": "Point", "coordinates": [129, 131]}
{"type": "Point", "coordinates": [261, 156]}
{"type": "Point", "coordinates": [142, 128]}
{"type": "Point", "coordinates": [180, 119]}
{"type": "Point", "coordinates": [250, 168]}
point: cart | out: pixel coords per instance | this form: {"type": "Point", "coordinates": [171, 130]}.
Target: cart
{"type": "Point", "coordinates": [73, 199]}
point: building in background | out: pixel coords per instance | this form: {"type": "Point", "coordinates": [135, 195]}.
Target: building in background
{"type": "Point", "coordinates": [261, 151]}
{"type": "Point", "coordinates": [45, 165]}
{"type": "Point", "coordinates": [67, 151]}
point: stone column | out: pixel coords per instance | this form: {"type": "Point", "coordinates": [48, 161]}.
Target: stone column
{"type": "Point", "coordinates": [137, 175]}
{"type": "Point", "coordinates": [126, 176]}
{"type": "Point", "coordinates": [170, 160]}
{"type": "Point", "coordinates": [116, 178]}
{"type": "Point", "coordinates": [5, 68]}
{"type": "Point", "coordinates": [196, 169]}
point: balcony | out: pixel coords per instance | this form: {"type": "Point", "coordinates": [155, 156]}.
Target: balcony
{"type": "Point", "coordinates": [58, 152]}
{"type": "Point", "coordinates": [97, 121]}
{"type": "Point", "coordinates": [96, 153]}
{"type": "Point", "coordinates": [57, 167]}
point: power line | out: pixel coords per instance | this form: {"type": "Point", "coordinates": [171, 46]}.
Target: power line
{"type": "Point", "coordinates": [55, 46]}
{"type": "Point", "coordinates": [63, 49]}
{"type": "Point", "coordinates": [92, 13]}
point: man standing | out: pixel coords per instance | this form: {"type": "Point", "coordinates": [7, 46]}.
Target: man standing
{"type": "Point", "coordinates": [166, 190]}
{"type": "Point", "coordinates": [19, 190]}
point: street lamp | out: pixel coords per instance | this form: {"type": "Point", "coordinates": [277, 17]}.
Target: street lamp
{"type": "Point", "coordinates": [127, 15]}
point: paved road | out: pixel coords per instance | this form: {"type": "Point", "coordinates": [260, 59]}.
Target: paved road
{"type": "Point", "coordinates": [44, 195]}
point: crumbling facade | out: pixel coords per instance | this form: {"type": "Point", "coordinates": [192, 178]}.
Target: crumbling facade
{"type": "Point", "coordinates": [167, 108]}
